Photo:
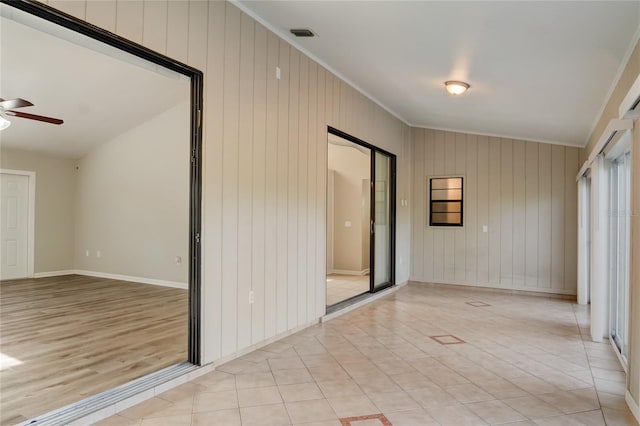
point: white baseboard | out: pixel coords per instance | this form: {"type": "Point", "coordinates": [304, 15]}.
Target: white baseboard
{"type": "Point", "coordinates": [633, 405]}
{"type": "Point", "coordinates": [349, 272]}
{"type": "Point", "coordinates": [53, 273]}
{"type": "Point", "coordinates": [129, 278]}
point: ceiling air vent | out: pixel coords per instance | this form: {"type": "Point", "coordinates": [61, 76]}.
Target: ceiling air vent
{"type": "Point", "coordinates": [302, 32]}
{"type": "Point", "coordinates": [630, 106]}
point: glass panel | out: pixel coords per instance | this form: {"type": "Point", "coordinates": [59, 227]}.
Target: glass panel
{"type": "Point", "coordinates": [445, 218]}
{"type": "Point", "coordinates": [446, 194]}
{"type": "Point", "coordinates": [446, 183]}
{"type": "Point", "coordinates": [382, 227]}
{"type": "Point", "coordinates": [444, 207]}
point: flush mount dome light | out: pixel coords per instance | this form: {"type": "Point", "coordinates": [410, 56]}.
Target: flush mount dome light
{"type": "Point", "coordinates": [456, 87]}
{"type": "Point", "coordinates": [302, 32]}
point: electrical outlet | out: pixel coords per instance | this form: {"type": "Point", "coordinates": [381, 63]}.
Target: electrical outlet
{"type": "Point", "coordinates": [485, 228]}
{"type": "Point", "coordinates": [86, 253]}
{"type": "Point", "coordinates": [178, 260]}
{"type": "Point", "coordinates": [278, 73]}
{"type": "Point", "coordinates": [251, 297]}
{"type": "Point", "coordinates": [98, 254]}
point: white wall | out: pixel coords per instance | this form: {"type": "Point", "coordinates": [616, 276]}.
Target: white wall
{"type": "Point", "coordinates": [351, 170]}
{"type": "Point", "coordinates": [132, 201]}
{"type": "Point", "coordinates": [525, 192]}
{"type": "Point", "coordinates": [54, 213]}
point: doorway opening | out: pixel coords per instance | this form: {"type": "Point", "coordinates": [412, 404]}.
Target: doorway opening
{"type": "Point", "coordinates": [360, 219]}
{"type": "Point", "coordinates": [110, 306]}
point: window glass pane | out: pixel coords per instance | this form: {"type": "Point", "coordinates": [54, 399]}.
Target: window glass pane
{"type": "Point", "coordinates": [446, 194]}
{"type": "Point", "coordinates": [444, 207]}
{"type": "Point", "coordinates": [446, 183]}
{"type": "Point", "coordinates": [445, 218]}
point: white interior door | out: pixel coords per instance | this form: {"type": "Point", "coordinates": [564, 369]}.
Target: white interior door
{"type": "Point", "coordinates": [14, 222]}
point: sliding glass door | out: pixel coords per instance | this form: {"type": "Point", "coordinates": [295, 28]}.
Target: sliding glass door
{"type": "Point", "coordinates": [382, 222]}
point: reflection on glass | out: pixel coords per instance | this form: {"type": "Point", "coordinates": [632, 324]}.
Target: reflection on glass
{"type": "Point", "coordinates": [382, 228]}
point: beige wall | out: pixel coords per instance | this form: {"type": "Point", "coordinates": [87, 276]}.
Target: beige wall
{"type": "Point", "coordinates": [132, 201]}
{"type": "Point", "coordinates": [526, 194]}
{"type": "Point", "coordinates": [54, 213]}
{"type": "Point", "coordinates": [265, 161]}
{"type": "Point", "coordinates": [352, 170]}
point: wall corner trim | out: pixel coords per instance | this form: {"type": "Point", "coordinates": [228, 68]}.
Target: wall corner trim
{"type": "Point", "coordinates": [633, 405]}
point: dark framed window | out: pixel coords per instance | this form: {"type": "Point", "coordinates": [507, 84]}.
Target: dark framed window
{"type": "Point", "coordinates": [446, 201]}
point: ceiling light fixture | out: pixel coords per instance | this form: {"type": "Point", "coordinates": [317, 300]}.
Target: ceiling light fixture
{"type": "Point", "coordinates": [456, 87]}
{"type": "Point", "coordinates": [4, 123]}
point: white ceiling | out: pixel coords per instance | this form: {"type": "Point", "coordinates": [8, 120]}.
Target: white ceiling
{"type": "Point", "coordinates": [538, 70]}
{"type": "Point", "coordinates": [98, 91]}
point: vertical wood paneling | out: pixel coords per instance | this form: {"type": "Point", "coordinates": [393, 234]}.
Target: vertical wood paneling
{"type": "Point", "coordinates": [519, 213]}
{"type": "Point", "coordinates": [544, 216]}
{"type": "Point", "coordinates": [504, 189]}
{"type": "Point", "coordinates": [429, 161]}
{"type": "Point", "coordinates": [258, 218]}
{"type": "Point", "coordinates": [312, 200]}
{"type": "Point", "coordinates": [571, 168]}
{"type": "Point", "coordinates": [72, 7]}
{"type": "Point", "coordinates": [212, 192]}
{"type": "Point", "coordinates": [154, 30]}
{"type": "Point", "coordinates": [292, 189]}
{"type": "Point", "coordinates": [532, 202]}
{"type": "Point", "coordinates": [438, 237]}
{"type": "Point", "coordinates": [557, 216]}
{"type": "Point", "coordinates": [245, 179]}
{"type": "Point", "coordinates": [419, 209]}
{"type": "Point", "coordinates": [483, 209]}
{"type": "Point", "coordinates": [506, 212]}
{"type": "Point", "coordinates": [271, 191]}
{"type": "Point", "coordinates": [130, 19]}
{"type": "Point", "coordinates": [178, 30]}
{"type": "Point", "coordinates": [471, 208]}
{"type": "Point", "coordinates": [231, 110]}
{"type": "Point", "coordinates": [198, 27]}
{"type": "Point", "coordinates": [302, 179]}
{"type": "Point", "coordinates": [460, 240]}
{"type": "Point", "coordinates": [494, 210]}
{"type": "Point", "coordinates": [283, 170]}
{"type": "Point", "coordinates": [102, 14]}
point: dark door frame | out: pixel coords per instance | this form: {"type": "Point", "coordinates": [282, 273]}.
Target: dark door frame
{"type": "Point", "coordinates": [392, 201]}
{"type": "Point", "coordinates": [195, 196]}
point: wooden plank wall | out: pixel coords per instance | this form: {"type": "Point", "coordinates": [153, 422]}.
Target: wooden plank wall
{"type": "Point", "coordinates": [525, 192]}
{"type": "Point", "coordinates": [265, 161]}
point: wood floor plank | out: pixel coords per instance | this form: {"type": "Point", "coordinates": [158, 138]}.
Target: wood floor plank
{"type": "Point", "coordinates": [65, 338]}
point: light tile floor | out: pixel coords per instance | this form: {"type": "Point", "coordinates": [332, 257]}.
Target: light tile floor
{"type": "Point", "coordinates": [524, 360]}
{"type": "Point", "coordinates": [342, 287]}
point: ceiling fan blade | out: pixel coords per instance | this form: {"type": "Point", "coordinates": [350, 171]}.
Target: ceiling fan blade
{"type": "Point", "coordinates": [14, 103]}
{"type": "Point", "coordinates": [34, 117]}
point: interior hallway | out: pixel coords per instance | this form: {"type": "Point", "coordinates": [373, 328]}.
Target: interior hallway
{"type": "Point", "coordinates": [424, 355]}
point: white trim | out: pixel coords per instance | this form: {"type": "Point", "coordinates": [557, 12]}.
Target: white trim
{"type": "Point", "coordinates": [54, 273]}
{"type": "Point", "coordinates": [584, 235]}
{"type": "Point", "coordinates": [623, 64]}
{"type": "Point", "coordinates": [141, 280]}
{"type": "Point", "coordinates": [633, 406]}
{"type": "Point", "coordinates": [623, 362]}
{"type": "Point", "coordinates": [611, 134]}
{"type": "Point", "coordinates": [287, 38]}
{"type": "Point", "coordinates": [583, 170]}
{"type": "Point", "coordinates": [31, 219]}
{"type": "Point", "coordinates": [349, 272]}
{"type": "Point", "coordinates": [491, 286]}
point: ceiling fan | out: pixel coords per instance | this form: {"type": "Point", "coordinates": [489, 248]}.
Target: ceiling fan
{"type": "Point", "coordinates": [7, 107]}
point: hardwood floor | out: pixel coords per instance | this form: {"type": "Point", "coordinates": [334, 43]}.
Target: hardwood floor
{"type": "Point", "coordinates": [65, 338]}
